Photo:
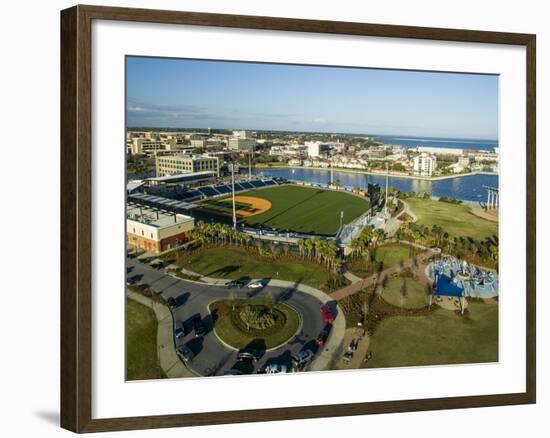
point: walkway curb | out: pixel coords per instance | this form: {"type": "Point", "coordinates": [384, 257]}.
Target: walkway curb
{"type": "Point", "coordinates": [169, 361]}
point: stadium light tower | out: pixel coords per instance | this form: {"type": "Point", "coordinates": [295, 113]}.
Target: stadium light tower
{"type": "Point", "coordinates": [386, 194]}
{"type": "Point", "coordinates": [233, 195]}
{"type": "Point", "coordinates": [250, 166]}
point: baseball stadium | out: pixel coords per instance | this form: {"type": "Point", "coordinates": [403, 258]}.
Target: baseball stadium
{"type": "Point", "coordinates": [287, 208]}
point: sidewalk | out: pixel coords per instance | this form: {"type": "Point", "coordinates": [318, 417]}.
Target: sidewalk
{"type": "Point", "coordinates": [170, 363]}
{"type": "Point", "coordinates": [371, 280]}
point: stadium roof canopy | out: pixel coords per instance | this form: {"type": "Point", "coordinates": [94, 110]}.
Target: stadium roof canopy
{"type": "Point", "coordinates": [160, 202]}
{"type": "Point", "coordinates": [446, 288]}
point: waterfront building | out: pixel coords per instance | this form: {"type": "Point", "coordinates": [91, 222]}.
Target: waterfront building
{"type": "Point", "coordinates": [170, 165]}
{"type": "Point", "coordinates": [438, 150]}
{"type": "Point", "coordinates": [154, 230]}
{"type": "Point", "coordinates": [377, 152]}
{"type": "Point", "coordinates": [317, 149]}
{"type": "Point", "coordinates": [424, 164]}
{"type": "Point", "coordinates": [288, 151]}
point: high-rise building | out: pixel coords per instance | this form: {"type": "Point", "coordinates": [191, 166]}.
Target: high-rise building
{"type": "Point", "coordinates": [317, 149]}
{"type": "Point", "coordinates": [424, 164]}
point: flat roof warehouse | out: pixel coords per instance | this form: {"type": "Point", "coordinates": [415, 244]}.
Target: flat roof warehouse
{"type": "Point", "coordinates": [155, 217]}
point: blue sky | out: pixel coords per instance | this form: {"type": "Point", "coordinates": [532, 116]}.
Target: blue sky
{"type": "Point", "coordinates": [201, 94]}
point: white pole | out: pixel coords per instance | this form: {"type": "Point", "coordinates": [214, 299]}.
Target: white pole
{"type": "Point", "coordinates": [250, 166]}
{"type": "Point", "coordinates": [233, 193]}
{"type": "Point", "coordinates": [386, 200]}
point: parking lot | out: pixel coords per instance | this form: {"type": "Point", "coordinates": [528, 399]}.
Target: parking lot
{"type": "Point", "coordinates": [205, 354]}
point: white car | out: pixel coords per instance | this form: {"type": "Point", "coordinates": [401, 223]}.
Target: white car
{"type": "Point", "coordinates": [256, 284]}
{"type": "Point", "coordinates": [275, 369]}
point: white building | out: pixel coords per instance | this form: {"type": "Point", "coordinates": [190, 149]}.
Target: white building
{"type": "Point", "coordinates": [438, 150]}
{"type": "Point", "coordinates": [317, 149]}
{"type": "Point", "coordinates": [424, 164]}
{"type": "Point", "coordinates": [242, 134]}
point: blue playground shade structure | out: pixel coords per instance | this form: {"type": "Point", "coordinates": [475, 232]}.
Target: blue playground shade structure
{"type": "Point", "coordinates": [446, 288]}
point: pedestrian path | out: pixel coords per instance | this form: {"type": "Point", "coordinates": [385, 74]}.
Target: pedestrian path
{"type": "Point", "coordinates": [169, 361]}
{"type": "Point", "coordinates": [388, 272]}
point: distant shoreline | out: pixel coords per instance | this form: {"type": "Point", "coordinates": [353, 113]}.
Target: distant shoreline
{"type": "Point", "coordinates": [382, 174]}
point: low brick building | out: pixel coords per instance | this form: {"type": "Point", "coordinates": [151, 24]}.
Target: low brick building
{"type": "Point", "coordinates": [154, 230]}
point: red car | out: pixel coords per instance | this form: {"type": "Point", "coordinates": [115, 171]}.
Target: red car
{"type": "Point", "coordinates": [327, 314]}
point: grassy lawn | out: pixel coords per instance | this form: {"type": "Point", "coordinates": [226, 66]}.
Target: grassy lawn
{"type": "Point", "coordinates": [442, 337]}
{"type": "Point", "coordinates": [300, 209]}
{"type": "Point", "coordinates": [415, 296]}
{"type": "Point", "coordinates": [237, 262]}
{"type": "Point", "coordinates": [141, 343]}
{"type": "Point", "coordinates": [390, 254]}
{"type": "Point", "coordinates": [231, 329]}
{"type": "Point", "coordinates": [456, 219]}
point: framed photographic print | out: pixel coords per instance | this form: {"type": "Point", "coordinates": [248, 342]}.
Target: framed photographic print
{"type": "Point", "coordinates": [268, 218]}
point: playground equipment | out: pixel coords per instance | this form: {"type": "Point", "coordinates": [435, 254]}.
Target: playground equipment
{"type": "Point", "coordinates": [472, 280]}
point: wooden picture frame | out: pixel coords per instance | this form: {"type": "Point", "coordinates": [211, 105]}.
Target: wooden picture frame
{"type": "Point", "coordinates": [76, 217]}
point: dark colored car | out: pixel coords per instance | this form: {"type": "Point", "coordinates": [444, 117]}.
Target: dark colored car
{"type": "Point", "coordinates": [132, 280]}
{"type": "Point", "coordinates": [236, 283]}
{"type": "Point", "coordinates": [249, 354]}
{"type": "Point", "coordinates": [185, 353]}
{"type": "Point", "coordinates": [172, 303]}
{"type": "Point", "coordinates": [323, 336]}
{"type": "Point", "coordinates": [179, 333]}
{"type": "Point", "coordinates": [302, 358]}
{"type": "Point", "coordinates": [198, 326]}
{"type": "Point", "coordinates": [232, 372]}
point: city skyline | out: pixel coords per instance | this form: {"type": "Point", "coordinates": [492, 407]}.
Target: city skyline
{"type": "Point", "coordinates": [176, 93]}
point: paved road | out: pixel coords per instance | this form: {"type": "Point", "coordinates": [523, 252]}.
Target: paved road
{"type": "Point", "coordinates": [212, 356]}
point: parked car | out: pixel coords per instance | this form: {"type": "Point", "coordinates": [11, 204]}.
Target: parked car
{"type": "Point", "coordinates": [247, 354]}
{"type": "Point", "coordinates": [132, 280]}
{"type": "Point", "coordinates": [348, 355]}
{"type": "Point", "coordinates": [275, 369]}
{"type": "Point", "coordinates": [157, 264]}
{"type": "Point", "coordinates": [256, 284]}
{"type": "Point", "coordinates": [323, 336]}
{"type": "Point", "coordinates": [179, 333]}
{"type": "Point", "coordinates": [171, 302]}
{"type": "Point", "coordinates": [301, 359]}
{"type": "Point", "coordinates": [236, 283]}
{"type": "Point", "coordinates": [232, 372]}
{"type": "Point", "coordinates": [198, 326]}
{"type": "Point", "coordinates": [328, 318]}
{"type": "Point", "coordinates": [185, 353]}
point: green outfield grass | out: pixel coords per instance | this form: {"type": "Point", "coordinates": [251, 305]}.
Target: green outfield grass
{"type": "Point", "coordinates": [441, 337]}
{"type": "Point", "coordinates": [141, 343]}
{"type": "Point", "coordinates": [295, 208]}
{"type": "Point", "coordinates": [456, 219]}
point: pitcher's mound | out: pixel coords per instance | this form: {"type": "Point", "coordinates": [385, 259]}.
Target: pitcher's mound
{"type": "Point", "coordinates": [247, 206]}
